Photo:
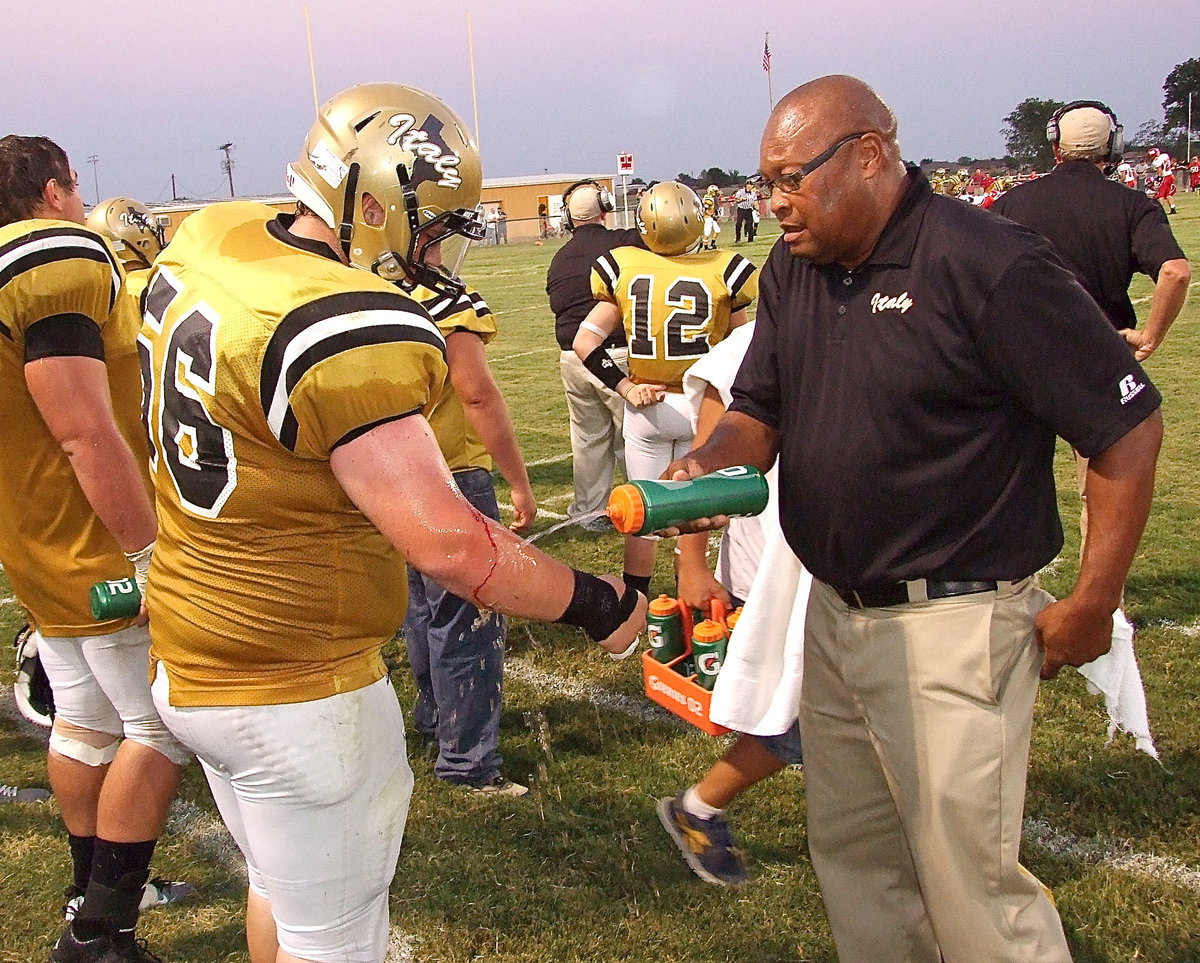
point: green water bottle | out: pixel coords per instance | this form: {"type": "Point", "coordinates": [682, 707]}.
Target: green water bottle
{"type": "Point", "coordinates": [664, 628]}
{"type": "Point", "coordinates": [116, 598]}
{"type": "Point", "coordinates": [709, 643]}
{"type": "Point", "coordinates": [641, 507]}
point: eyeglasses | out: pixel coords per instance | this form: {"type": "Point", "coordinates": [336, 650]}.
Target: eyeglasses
{"type": "Point", "coordinates": [790, 183]}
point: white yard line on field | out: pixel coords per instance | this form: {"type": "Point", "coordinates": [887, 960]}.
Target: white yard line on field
{"type": "Point", "coordinates": [639, 708]}
{"type": "Point", "coordinates": [522, 354]}
{"type": "Point", "coordinates": [542, 512]}
{"type": "Point", "coordinates": [1114, 853]}
{"type": "Point", "coordinates": [553, 459]}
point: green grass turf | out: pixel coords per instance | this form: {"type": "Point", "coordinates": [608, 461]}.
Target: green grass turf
{"type": "Point", "coordinates": [581, 870]}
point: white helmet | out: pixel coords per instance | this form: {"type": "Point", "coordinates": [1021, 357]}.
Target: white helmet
{"type": "Point", "coordinates": [31, 690]}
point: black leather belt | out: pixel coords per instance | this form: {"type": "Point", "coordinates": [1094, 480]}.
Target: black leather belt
{"type": "Point", "coordinates": [901, 593]}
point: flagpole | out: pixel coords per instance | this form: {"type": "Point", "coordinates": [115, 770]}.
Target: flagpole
{"type": "Point", "coordinates": [474, 97]}
{"type": "Point", "coordinates": [312, 64]}
{"type": "Point", "coordinates": [767, 59]}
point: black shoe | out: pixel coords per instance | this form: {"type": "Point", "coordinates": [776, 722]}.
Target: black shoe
{"type": "Point", "coordinates": [115, 948]}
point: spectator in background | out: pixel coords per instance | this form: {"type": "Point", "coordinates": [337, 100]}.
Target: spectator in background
{"type": "Point", "coordinates": [501, 225]}
{"type": "Point", "coordinates": [596, 412]}
{"type": "Point", "coordinates": [490, 220]}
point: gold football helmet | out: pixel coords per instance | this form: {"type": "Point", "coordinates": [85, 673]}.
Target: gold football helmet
{"type": "Point", "coordinates": [415, 157]}
{"type": "Point", "coordinates": [131, 227]}
{"type": "Point", "coordinates": [670, 218]}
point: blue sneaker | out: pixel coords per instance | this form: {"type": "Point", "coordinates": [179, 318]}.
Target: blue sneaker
{"type": "Point", "coordinates": [706, 844]}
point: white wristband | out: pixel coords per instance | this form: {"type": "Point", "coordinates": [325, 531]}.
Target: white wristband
{"type": "Point", "coordinates": [141, 566]}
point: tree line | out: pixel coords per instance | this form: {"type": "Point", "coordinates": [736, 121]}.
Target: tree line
{"type": "Point", "coordinates": [1024, 128]}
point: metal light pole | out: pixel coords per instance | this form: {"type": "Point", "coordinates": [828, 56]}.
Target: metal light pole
{"type": "Point", "coordinates": [94, 159]}
{"type": "Point", "coordinates": [227, 165]}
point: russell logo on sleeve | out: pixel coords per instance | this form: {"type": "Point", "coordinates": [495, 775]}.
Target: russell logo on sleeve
{"type": "Point", "coordinates": [1130, 388]}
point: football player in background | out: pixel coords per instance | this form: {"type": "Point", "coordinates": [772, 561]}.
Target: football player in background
{"type": "Point", "coordinates": [135, 235]}
{"type": "Point", "coordinates": [457, 653]}
{"type": "Point", "coordinates": [297, 473]}
{"type": "Point", "coordinates": [1164, 168]}
{"type": "Point", "coordinates": [75, 509]}
{"type": "Point", "coordinates": [674, 301]}
{"type": "Point", "coordinates": [1127, 175]}
{"type": "Point", "coordinates": [712, 204]}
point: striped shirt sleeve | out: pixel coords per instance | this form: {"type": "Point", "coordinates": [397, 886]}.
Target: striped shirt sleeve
{"type": "Point", "coordinates": [337, 366]}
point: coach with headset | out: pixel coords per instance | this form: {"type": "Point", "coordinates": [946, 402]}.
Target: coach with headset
{"type": "Point", "coordinates": [1101, 229]}
{"type": "Point", "coordinates": [596, 412]}
{"type": "Point", "coordinates": [1104, 232]}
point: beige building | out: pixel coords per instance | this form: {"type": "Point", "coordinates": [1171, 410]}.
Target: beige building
{"type": "Point", "coordinates": [533, 205]}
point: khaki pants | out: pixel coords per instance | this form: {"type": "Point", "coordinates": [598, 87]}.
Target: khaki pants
{"type": "Point", "coordinates": [597, 446]}
{"type": "Point", "coordinates": [915, 722]}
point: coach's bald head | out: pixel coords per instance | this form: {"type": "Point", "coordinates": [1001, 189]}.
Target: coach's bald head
{"type": "Point", "coordinates": [837, 212]}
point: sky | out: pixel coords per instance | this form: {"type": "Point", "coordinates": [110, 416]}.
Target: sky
{"type": "Point", "coordinates": [152, 89]}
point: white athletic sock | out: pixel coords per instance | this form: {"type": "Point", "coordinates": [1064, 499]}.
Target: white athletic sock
{"type": "Point", "coordinates": [693, 804]}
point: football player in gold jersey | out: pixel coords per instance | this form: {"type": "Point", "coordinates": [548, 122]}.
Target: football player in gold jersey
{"type": "Point", "coordinates": [456, 653]}
{"type": "Point", "coordinates": [675, 302]}
{"type": "Point", "coordinates": [296, 474]}
{"type": "Point", "coordinates": [135, 235]}
{"type": "Point", "coordinates": [75, 509]}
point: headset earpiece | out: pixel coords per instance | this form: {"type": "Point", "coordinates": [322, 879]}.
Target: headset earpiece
{"type": "Point", "coordinates": [606, 200]}
{"type": "Point", "coordinates": [1116, 139]}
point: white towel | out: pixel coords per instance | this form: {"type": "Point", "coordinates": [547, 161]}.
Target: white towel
{"type": "Point", "coordinates": [1115, 675]}
{"type": "Point", "coordinates": [758, 688]}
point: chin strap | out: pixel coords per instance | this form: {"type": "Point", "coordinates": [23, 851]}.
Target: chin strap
{"type": "Point", "coordinates": [346, 228]}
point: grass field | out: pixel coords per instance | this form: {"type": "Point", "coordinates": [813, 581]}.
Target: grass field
{"type": "Point", "coordinates": [581, 870]}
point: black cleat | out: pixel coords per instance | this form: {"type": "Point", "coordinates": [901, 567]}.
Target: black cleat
{"type": "Point", "coordinates": [120, 947]}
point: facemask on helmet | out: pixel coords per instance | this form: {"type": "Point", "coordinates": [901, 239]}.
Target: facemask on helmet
{"type": "Point", "coordinates": [396, 175]}
{"type": "Point", "coordinates": [131, 227]}
{"type": "Point", "coordinates": [671, 218]}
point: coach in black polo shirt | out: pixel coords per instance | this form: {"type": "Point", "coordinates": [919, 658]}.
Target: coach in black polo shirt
{"type": "Point", "coordinates": [914, 358]}
{"type": "Point", "coordinates": [1102, 230]}
{"type": "Point", "coordinates": [596, 413]}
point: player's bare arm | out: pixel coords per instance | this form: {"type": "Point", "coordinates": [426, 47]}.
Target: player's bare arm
{"type": "Point", "coordinates": [602, 321]}
{"type": "Point", "coordinates": [71, 394]}
{"type": "Point", "coordinates": [1120, 485]}
{"type": "Point", "coordinates": [396, 476]}
{"type": "Point", "coordinates": [488, 413]}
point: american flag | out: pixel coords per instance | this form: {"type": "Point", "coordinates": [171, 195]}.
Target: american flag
{"type": "Point", "coordinates": [767, 55]}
